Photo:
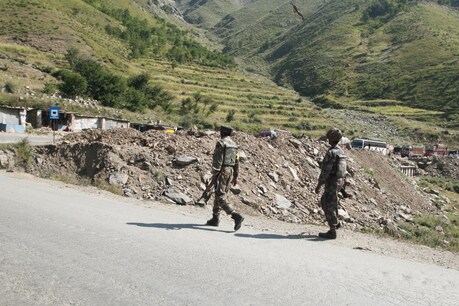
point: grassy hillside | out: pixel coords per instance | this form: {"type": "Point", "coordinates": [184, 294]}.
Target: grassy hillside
{"type": "Point", "coordinates": [353, 49]}
{"type": "Point", "coordinates": [35, 38]}
{"type": "Point", "coordinates": [411, 57]}
{"type": "Point", "coordinates": [207, 13]}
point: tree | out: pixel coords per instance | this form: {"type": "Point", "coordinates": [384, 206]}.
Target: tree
{"type": "Point", "coordinates": [158, 96]}
{"type": "Point", "coordinates": [73, 84]}
{"type": "Point", "coordinates": [73, 57]}
{"type": "Point", "coordinates": [140, 81]}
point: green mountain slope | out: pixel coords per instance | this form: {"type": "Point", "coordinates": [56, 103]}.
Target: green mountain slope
{"type": "Point", "coordinates": [352, 49]}
{"type": "Point", "coordinates": [150, 69]}
{"type": "Point", "coordinates": [35, 38]}
{"type": "Point", "coordinates": [206, 13]}
{"type": "Point", "coordinates": [413, 57]}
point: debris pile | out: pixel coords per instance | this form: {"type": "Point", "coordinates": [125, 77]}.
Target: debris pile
{"type": "Point", "coordinates": [277, 176]}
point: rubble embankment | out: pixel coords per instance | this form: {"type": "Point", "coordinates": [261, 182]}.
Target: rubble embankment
{"type": "Point", "coordinates": [277, 177]}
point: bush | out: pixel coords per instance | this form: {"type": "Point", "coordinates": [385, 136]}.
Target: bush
{"type": "Point", "coordinates": [230, 115]}
{"type": "Point", "coordinates": [187, 121]}
{"type": "Point", "coordinates": [115, 91]}
{"type": "Point", "coordinates": [24, 153]}
{"type": "Point", "coordinates": [73, 84]}
{"type": "Point", "coordinates": [9, 87]}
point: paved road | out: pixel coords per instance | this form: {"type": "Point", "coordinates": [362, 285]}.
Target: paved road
{"type": "Point", "coordinates": [67, 246]}
{"type": "Point", "coordinates": [34, 139]}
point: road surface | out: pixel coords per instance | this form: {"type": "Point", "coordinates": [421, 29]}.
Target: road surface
{"type": "Point", "coordinates": [63, 245]}
{"type": "Point", "coordinates": [33, 139]}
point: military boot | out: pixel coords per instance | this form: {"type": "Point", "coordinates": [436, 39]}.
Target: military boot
{"type": "Point", "coordinates": [328, 235]}
{"type": "Point", "coordinates": [237, 220]}
{"type": "Point", "coordinates": [213, 222]}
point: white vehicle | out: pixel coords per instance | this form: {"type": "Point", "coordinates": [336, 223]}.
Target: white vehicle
{"type": "Point", "coordinates": [370, 144]}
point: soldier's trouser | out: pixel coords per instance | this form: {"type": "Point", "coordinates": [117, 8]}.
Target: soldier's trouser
{"type": "Point", "coordinates": [221, 192]}
{"type": "Point", "coordinates": [329, 201]}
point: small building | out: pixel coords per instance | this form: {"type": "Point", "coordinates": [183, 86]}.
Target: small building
{"type": "Point", "coordinates": [80, 123]}
{"type": "Point", "coordinates": [34, 117]}
{"type": "Point", "coordinates": [12, 119]}
{"type": "Point", "coordinates": [70, 121]}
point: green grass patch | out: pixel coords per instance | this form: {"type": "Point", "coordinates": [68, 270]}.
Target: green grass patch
{"type": "Point", "coordinates": [7, 146]}
{"type": "Point", "coordinates": [68, 178]}
{"type": "Point", "coordinates": [17, 49]}
{"type": "Point", "coordinates": [101, 184]}
{"type": "Point", "coordinates": [433, 231]}
{"type": "Point", "coordinates": [74, 179]}
{"type": "Point", "coordinates": [443, 183]}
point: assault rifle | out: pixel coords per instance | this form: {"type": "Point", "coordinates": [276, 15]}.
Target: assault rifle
{"type": "Point", "coordinates": [207, 194]}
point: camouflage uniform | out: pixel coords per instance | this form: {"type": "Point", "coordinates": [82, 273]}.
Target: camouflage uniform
{"type": "Point", "coordinates": [332, 176]}
{"type": "Point", "coordinates": [225, 164]}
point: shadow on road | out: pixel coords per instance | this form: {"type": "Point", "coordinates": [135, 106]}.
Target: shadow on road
{"type": "Point", "coordinates": [277, 236]}
{"type": "Point", "coordinates": [203, 227]}
{"type": "Point", "coordinates": [178, 226]}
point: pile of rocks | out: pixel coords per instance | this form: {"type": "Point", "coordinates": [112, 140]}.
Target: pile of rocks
{"type": "Point", "coordinates": [440, 166]}
{"type": "Point", "coordinates": [277, 176]}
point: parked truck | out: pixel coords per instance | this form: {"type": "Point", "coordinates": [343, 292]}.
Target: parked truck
{"type": "Point", "coordinates": [417, 151]}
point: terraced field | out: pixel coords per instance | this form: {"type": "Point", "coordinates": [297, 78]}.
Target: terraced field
{"type": "Point", "coordinates": [258, 103]}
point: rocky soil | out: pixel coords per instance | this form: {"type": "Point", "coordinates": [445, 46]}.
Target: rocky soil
{"type": "Point", "coordinates": [277, 177]}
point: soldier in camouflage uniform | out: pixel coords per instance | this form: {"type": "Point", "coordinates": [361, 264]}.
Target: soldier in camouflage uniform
{"type": "Point", "coordinates": [225, 168]}
{"type": "Point", "coordinates": [332, 176]}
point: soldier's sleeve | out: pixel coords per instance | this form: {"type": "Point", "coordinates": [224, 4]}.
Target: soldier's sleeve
{"type": "Point", "coordinates": [217, 159]}
{"type": "Point", "coordinates": [327, 167]}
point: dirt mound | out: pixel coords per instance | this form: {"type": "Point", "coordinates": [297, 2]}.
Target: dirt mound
{"type": "Point", "coordinates": [447, 167]}
{"type": "Point", "coordinates": [277, 177]}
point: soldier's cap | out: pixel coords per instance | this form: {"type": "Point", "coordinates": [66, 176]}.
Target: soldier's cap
{"type": "Point", "coordinates": [334, 135]}
{"type": "Point", "coordinates": [226, 129]}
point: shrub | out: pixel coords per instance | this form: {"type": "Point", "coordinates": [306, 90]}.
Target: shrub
{"type": "Point", "coordinates": [230, 115]}
{"type": "Point", "coordinates": [73, 84]}
{"type": "Point", "coordinates": [24, 153]}
{"type": "Point", "coordinates": [187, 121]}
{"type": "Point", "coordinates": [9, 87]}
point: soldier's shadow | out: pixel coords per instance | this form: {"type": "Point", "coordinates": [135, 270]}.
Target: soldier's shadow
{"type": "Point", "coordinates": [168, 226]}
{"type": "Point", "coordinates": [277, 236]}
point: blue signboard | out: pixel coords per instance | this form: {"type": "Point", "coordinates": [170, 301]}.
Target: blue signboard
{"type": "Point", "coordinates": [54, 112]}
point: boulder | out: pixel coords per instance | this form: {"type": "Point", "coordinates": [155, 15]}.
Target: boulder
{"type": "Point", "coordinates": [177, 196]}
{"type": "Point", "coordinates": [185, 160]}
{"type": "Point", "coordinates": [118, 179]}
{"type": "Point", "coordinates": [282, 201]}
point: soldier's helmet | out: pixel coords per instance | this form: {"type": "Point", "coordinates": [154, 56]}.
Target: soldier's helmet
{"type": "Point", "coordinates": [334, 135]}
{"type": "Point", "coordinates": [227, 130]}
